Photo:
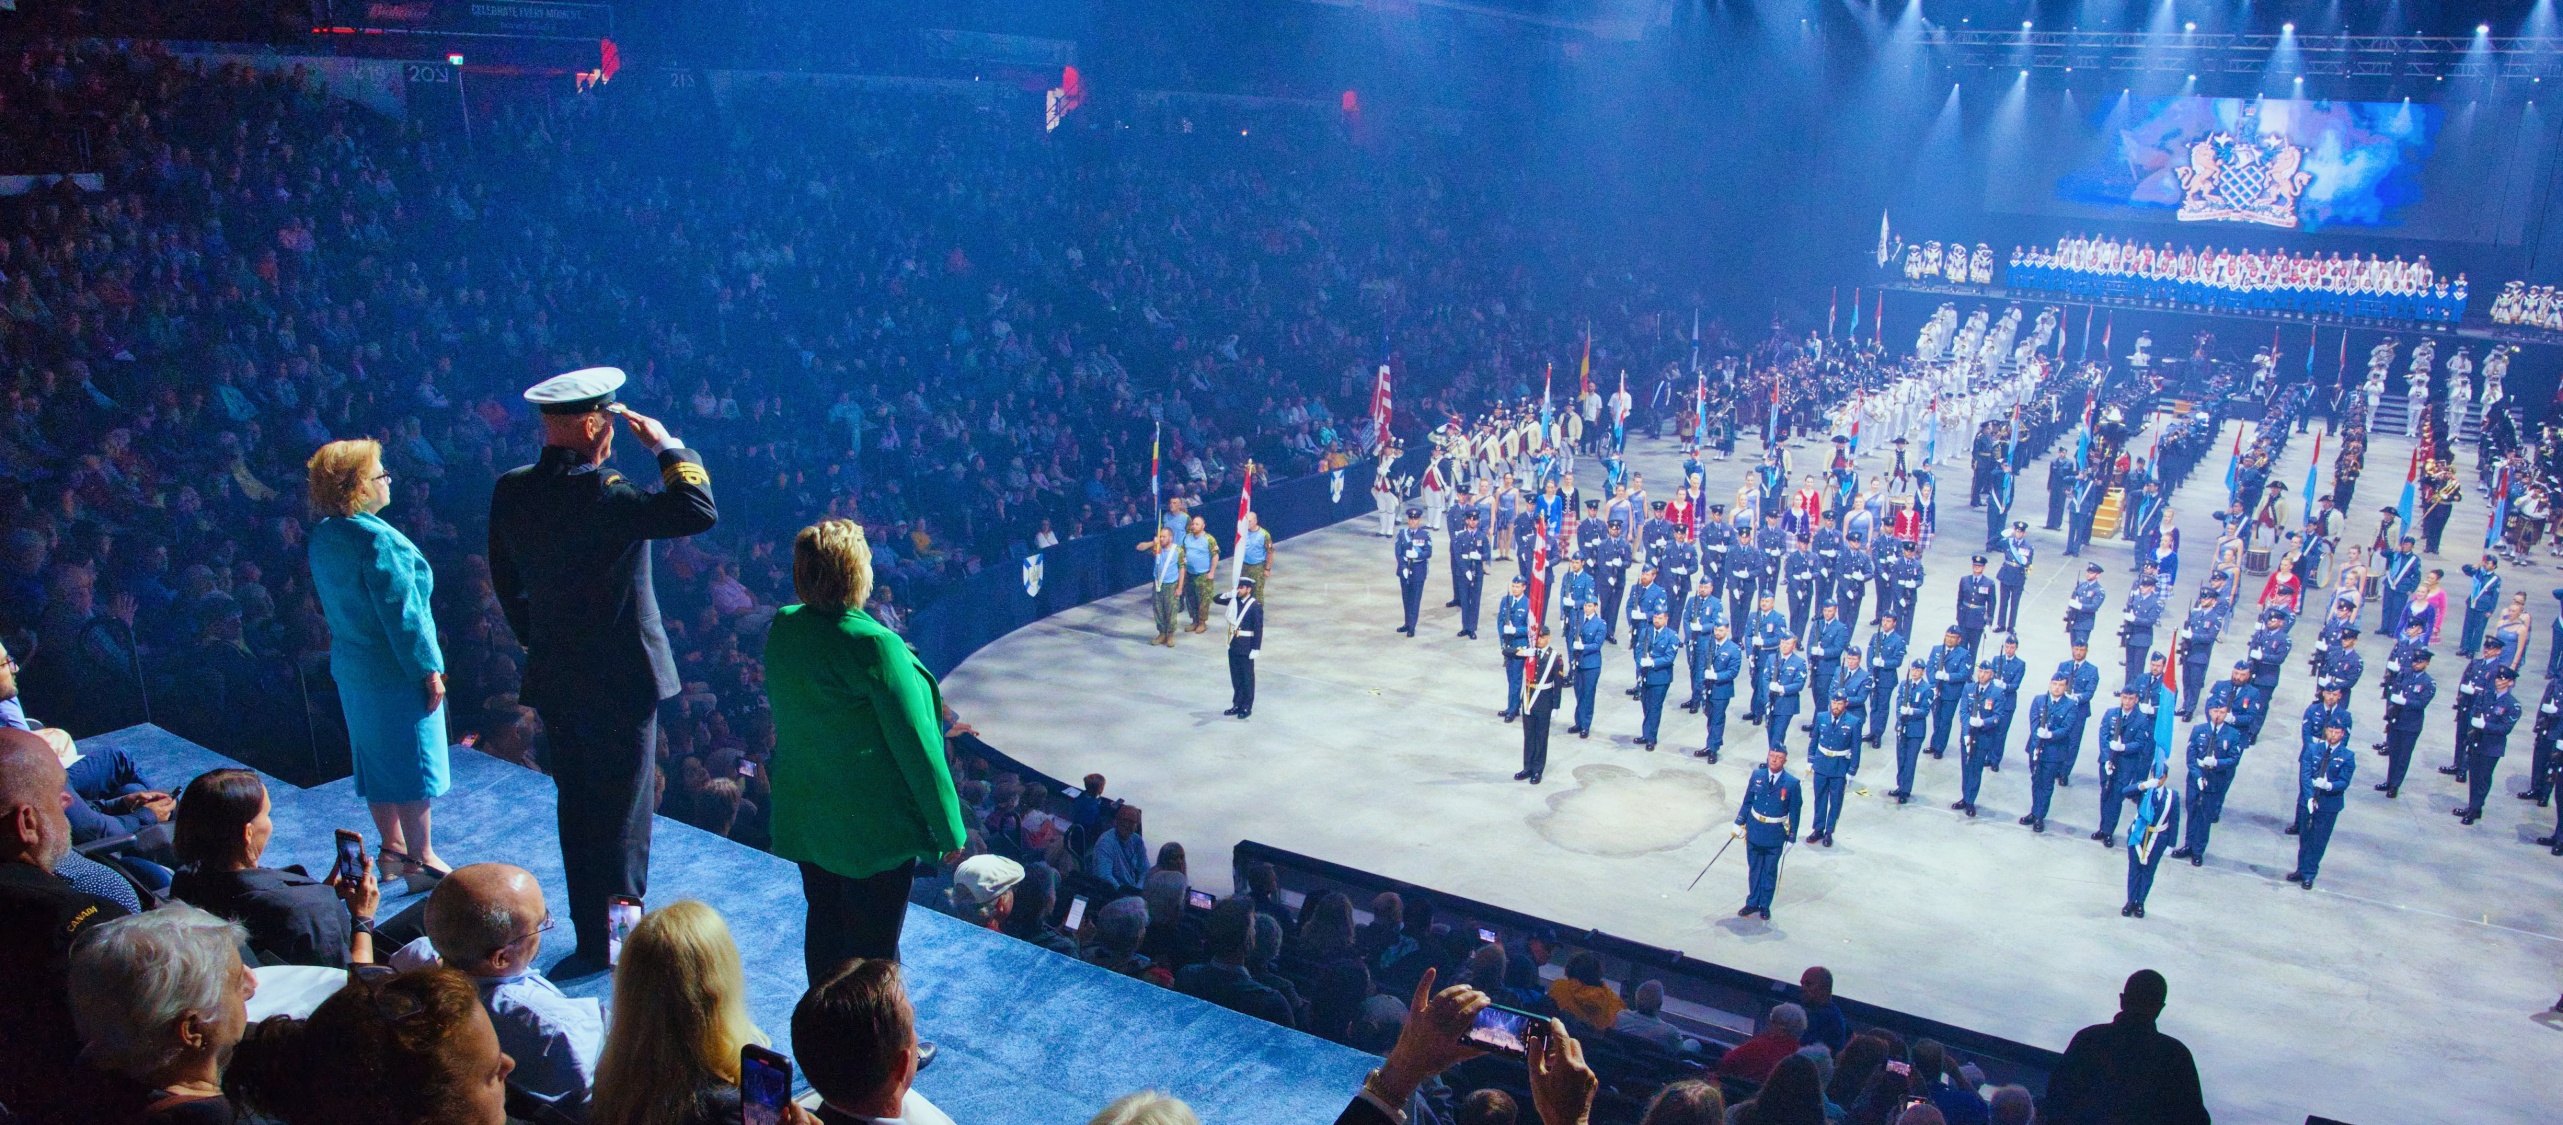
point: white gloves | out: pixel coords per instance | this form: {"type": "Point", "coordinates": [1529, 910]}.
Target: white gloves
{"type": "Point", "coordinates": [2323, 783]}
{"type": "Point", "coordinates": [1739, 832]}
{"type": "Point", "coordinates": [2478, 722]}
{"type": "Point", "coordinates": [2398, 700]}
{"type": "Point", "coordinates": [2309, 804]}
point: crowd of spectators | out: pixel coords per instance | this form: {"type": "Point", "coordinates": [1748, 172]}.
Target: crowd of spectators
{"type": "Point", "coordinates": [909, 308]}
{"type": "Point", "coordinates": [110, 1014]}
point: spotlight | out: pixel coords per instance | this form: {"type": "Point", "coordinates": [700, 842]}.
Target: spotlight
{"type": "Point", "coordinates": [2482, 29]}
{"type": "Point", "coordinates": [2190, 26]}
{"type": "Point", "coordinates": [2025, 25]}
{"type": "Point", "coordinates": [2289, 28]}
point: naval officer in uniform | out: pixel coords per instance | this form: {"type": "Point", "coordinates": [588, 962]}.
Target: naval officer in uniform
{"type": "Point", "coordinates": [570, 562]}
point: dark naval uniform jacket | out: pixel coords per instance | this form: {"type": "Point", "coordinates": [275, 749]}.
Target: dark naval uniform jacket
{"type": "Point", "coordinates": [570, 561]}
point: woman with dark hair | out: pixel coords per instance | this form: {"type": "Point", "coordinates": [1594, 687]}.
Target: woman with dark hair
{"type": "Point", "coordinates": [1882, 1099]}
{"type": "Point", "coordinates": [1325, 930]}
{"type": "Point", "coordinates": [1794, 1095]}
{"type": "Point", "coordinates": [414, 1049]}
{"type": "Point", "coordinates": [1034, 898]}
{"type": "Point", "coordinates": [1860, 1058]}
{"type": "Point", "coordinates": [1170, 857]}
{"type": "Point", "coordinates": [221, 833]}
{"type": "Point", "coordinates": [1688, 1102]}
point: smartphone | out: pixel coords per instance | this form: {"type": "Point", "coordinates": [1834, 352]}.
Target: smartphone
{"type": "Point", "coordinates": [1504, 1031]}
{"type": "Point", "coordinates": [765, 1086]}
{"type": "Point", "coordinates": [1076, 913]}
{"type": "Point", "coordinates": [747, 768]}
{"type": "Point", "coordinates": [622, 912]}
{"type": "Point", "coordinates": [349, 867]}
{"type": "Point", "coordinates": [1486, 935]}
{"type": "Point", "coordinates": [1200, 899]}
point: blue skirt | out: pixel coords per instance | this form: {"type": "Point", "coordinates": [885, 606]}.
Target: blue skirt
{"type": "Point", "coordinates": [398, 745]}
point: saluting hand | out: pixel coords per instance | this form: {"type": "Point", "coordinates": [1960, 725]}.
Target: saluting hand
{"type": "Point", "coordinates": [651, 432]}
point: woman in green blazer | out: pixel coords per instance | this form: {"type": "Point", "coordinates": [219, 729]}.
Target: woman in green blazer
{"type": "Point", "coordinates": [374, 588]}
{"type": "Point", "coordinates": [861, 789]}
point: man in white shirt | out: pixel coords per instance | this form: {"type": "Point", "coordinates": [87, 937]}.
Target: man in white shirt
{"type": "Point", "coordinates": [487, 921]}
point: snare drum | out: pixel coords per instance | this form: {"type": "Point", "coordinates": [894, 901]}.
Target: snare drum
{"type": "Point", "coordinates": [2256, 560]}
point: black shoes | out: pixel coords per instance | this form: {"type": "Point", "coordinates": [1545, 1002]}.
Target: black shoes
{"type": "Point", "coordinates": [2466, 816]}
{"type": "Point", "coordinates": [1230, 711]}
{"type": "Point", "coordinates": [2180, 853]}
{"type": "Point", "coordinates": [2140, 910]}
{"type": "Point", "coordinates": [2127, 911]}
{"type": "Point", "coordinates": [1508, 716]}
{"type": "Point", "coordinates": [2295, 830]}
{"type": "Point", "coordinates": [2106, 839]}
{"type": "Point", "coordinates": [1524, 775]}
{"type": "Point", "coordinates": [1957, 806]}
{"type": "Point", "coordinates": [1747, 912]}
{"type": "Point", "coordinates": [2064, 781]}
{"type": "Point", "coordinates": [1585, 733]}
{"type": "Point", "coordinates": [2028, 820]}
{"type": "Point", "coordinates": [2451, 771]}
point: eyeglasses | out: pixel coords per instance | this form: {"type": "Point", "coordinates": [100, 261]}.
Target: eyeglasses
{"type": "Point", "coordinates": [383, 476]}
{"type": "Point", "coordinates": [539, 930]}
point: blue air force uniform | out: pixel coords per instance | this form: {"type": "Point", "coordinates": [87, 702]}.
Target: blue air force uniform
{"type": "Point", "coordinates": [1831, 751]}
{"type": "Point", "coordinates": [2082, 686]}
{"type": "Point", "coordinates": [2082, 608]}
{"type": "Point", "coordinates": [2013, 578]}
{"type": "Point", "coordinates": [2215, 749]}
{"type": "Point", "coordinates": [1947, 668]}
{"type": "Point", "coordinates": [1701, 616]}
{"type": "Point", "coordinates": [2266, 650]}
{"type": "Point", "coordinates": [2126, 752]}
{"type": "Point", "coordinates": [1585, 647]}
{"type": "Point", "coordinates": [2309, 749]}
{"type": "Point", "coordinates": [1825, 642]}
{"type": "Point", "coordinates": [1984, 707]}
{"type": "Point", "coordinates": [1787, 679]}
{"type": "Point", "coordinates": [1886, 657]}
{"type": "Point", "coordinates": [1658, 650]}
{"type": "Point", "coordinates": [1726, 663]}
{"type": "Point", "coordinates": [2136, 627]}
{"type": "Point", "coordinates": [1512, 643]}
{"type": "Point", "coordinates": [2009, 673]}
{"type": "Point", "coordinates": [1851, 686]}
{"type": "Point", "coordinates": [2324, 785]}
{"type": "Point", "coordinates": [2480, 604]}
{"type": "Point", "coordinates": [1468, 576]}
{"type": "Point", "coordinates": [1975, 607]}
{"type": "Point", "coordinates": [1767, 629]}
{"type": "Point", "coordinates": [2150, 835]}
{"type": "Point", "coordinates": [2473, 690]}
{"type": "Point", "coordinates": [2492, 722]}
{"type": "Point", "coordinates": [1414, 551]}
{"type": "Point", "coordinates": [1915, 701]}
{"type": "Point", "coordinates": [1798, 573]}
{"type": "Point", "coordinates": [2197, 649]}
{"type": "Point", "coordinates": [2051, 723]}
{"type": "Point", "coordinates": [2407, 700]}
{"type": "Point", "coordinates": [1769, 816]}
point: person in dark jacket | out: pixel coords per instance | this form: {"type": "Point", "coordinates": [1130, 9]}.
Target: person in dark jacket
{"type": "Point", "coordinates": [1225, 979]}
{"type": "Point", "coordinates": [2126, 1072]}
{"type": "Point", "coordinates": [569, 560]}
{"type": "Point", "coordinates": [292, 918]}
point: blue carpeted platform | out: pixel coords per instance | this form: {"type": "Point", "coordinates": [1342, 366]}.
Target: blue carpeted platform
{"type": "Point", "coordinates": [1027, 1036]}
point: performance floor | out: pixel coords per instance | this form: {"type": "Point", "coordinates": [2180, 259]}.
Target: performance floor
{"type": "Point", "coordinates": [2411, 985]}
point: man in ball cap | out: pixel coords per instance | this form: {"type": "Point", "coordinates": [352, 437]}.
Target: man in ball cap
{"type": "Point", "coordinates": [570, 562]}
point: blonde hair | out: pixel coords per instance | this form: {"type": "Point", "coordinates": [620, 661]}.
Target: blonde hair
{"type": "Point", "coordinates": [832, 566]}
{"type": "Point", "coordinates": [1146, 1107]}
{"type": "Point", "coordinates": [341, 473]}
{"type": "Point", "coordinates": [680, 1017]}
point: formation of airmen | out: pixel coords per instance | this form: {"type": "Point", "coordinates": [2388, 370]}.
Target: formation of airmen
{"type": "Point", "coordinates": [1764, 600]}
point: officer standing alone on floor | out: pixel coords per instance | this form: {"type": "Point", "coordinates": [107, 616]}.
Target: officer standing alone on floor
{"type": "Point", "coordinates": [1548, 678]}
{"type": "Point", "coordinates": [570, 566]}
{"type": "Point", "coordinates": [1767, 821]}
{"type": "Point", "coordinates": [1245, 641]}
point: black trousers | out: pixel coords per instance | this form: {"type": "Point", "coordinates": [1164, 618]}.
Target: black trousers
{"type": "Point", "coordinates": [1535, 737]}
{"type": "Point", "coordinates": [1241, 681]}
{"type": "Point", "coordinates": [852, 918]}
{"type": "Point", "coordinates": [604, 763]}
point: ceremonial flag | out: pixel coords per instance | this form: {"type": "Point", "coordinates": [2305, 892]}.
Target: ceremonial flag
{"type": "Point", "coordinates": [2166, 701]}
{"type": "Point", "coordinates": [2234, 465]}
{"type": "Point", "coordinates": [1832, 307]}
{"type": "Point", "coordinates": [1695, 332]}
{"type": "Point", "coordinates": [1584, 375]}
{"type": "Point", "coordinates": [2105, 329]}
{"type": "Point", "coordinates": [1878, 327]}
{"type": "Point", "coordinates": [2343, 369]}
{"type": "Point", "coordinates": [1381, 409]}
{"type": "Point", "coordinates": [1237, 558]}
{"type": "Point", "coordinates": [1882, 238]}
{"type": "Point", "coordinates": [1771, 425]}
{"type": "Point", "coordinates": [2087, 317]}
{"type": "Point", "coordinates": [1857, 399]}
{"type": "Point", "coordinates": [1931, 432]}
{"type": "Point", "coordinates": [2500, 507]}
{"type": "Point", "coordinates": [1156, 503]}
{"type": "Point", "coordinates": [1620, 414]}
{"type": "Point", "coordinates": [1538, 590]}
{"type": "Point", "coordinates": [2010, 457]}
{"type": "Point", "coordinates": [2411, 479]}
{"type": "Point", "coordinates": [1700, 407]}
{"type": "Point", "coordinates": [1855, 317]}
{"type": "Point", "coordinates": [2316, 463]}
{"type": "Point", "coordinates": [1547, 373]}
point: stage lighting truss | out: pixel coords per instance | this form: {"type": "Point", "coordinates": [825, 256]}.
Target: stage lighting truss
{"type": "Point", "coordinates": [2388, 57]}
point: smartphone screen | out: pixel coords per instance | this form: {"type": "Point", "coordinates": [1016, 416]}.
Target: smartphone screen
{"type": "Point", "coordinates": [765, 1085]}
{"type": "Point", "coordinates": [1200, 900]}
{"type": "Point", "coordinates": [622, 912]}
{"type": "Point", "coordinates": [350, 864]}
{"type": "Point", "coordinates": [1504, 1031]}
{"type": "Point", "coordinates": [1486, 935]}
{"type": "Point", "coordinates": [1076, 913]}
{"type": "Point", "coordinates": [747, 768]}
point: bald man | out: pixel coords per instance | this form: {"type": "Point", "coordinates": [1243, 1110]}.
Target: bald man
{"type": "Point", "coordinates": [487, 920]}
{"type": "Point", "coordinates": [41, 914]}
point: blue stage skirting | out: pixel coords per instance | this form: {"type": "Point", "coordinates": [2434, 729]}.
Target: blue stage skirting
{"type": "Point", "coordinates": [1004, 597]}
{"type": "Point", "coordinates": [1028, 1037]}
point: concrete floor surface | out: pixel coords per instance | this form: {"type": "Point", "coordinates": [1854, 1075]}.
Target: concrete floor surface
{"type": "Point", "coordinates": [2412, 985]}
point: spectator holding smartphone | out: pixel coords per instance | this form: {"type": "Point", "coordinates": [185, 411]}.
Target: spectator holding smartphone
{"type": "Point", "coordinates": [293, 919]}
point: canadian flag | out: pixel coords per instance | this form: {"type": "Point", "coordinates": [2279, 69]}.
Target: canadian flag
{"type": "Point", "coordinates": [1237, 558]}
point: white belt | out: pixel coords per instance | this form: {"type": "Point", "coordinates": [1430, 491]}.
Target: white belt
{"type": "Point", "coordinates": [1768, 819]}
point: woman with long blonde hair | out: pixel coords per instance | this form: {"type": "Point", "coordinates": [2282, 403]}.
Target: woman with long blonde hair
{"type": "Point", "coordinates": [680, 1017]}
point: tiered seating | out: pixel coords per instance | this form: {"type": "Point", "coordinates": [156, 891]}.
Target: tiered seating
{"type": "Point", "coordinates": [1027, 1036]}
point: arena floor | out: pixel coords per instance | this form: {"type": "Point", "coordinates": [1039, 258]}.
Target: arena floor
{"type": "Point", "coordinates": [2412, 985]}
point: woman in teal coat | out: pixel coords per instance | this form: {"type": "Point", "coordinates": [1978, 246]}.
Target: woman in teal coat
{"type": "Point", "coordinates": [374, 587]}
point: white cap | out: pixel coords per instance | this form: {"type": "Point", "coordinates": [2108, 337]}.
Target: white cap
{"type": "Point", "coordinates": [577, 392]}
{"type": "Point", "coordinates": [981, 878]}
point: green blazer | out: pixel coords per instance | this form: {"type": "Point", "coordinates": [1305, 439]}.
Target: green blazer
{"type": "Point", "coordinates": [860, 784]}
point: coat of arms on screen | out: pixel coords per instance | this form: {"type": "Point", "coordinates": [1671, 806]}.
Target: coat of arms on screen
{"type": "Point", "coordinates": [2230, 179]}
{"type": "Point", "coordinates": [1032, 576]}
